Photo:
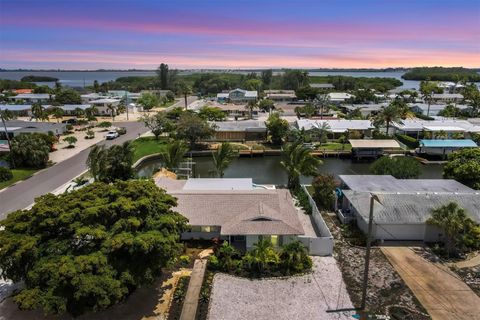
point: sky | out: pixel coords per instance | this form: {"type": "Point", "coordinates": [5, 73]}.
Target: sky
{"type": "Point", "coordinates": [122, 34]}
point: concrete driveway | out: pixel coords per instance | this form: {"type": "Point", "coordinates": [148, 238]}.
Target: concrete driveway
{"type": "Point", "coordinates": [442, 294]}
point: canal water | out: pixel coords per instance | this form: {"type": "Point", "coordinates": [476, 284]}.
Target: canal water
{"type": "Point", "coordinates": [268, 170]}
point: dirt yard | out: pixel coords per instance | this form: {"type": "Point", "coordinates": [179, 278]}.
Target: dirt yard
{"type": "Point", "coordinates": [299, 297]}
{"type": "Point", "coordinates": [387, 294]}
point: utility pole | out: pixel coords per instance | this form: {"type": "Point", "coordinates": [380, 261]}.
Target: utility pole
{"type": "Point", "coordinates": [126, 102]}
{"type": "Point", "coordinates": [367, 252]}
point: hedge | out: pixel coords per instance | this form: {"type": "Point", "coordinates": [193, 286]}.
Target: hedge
{"type": "Point", "coordinates": [410, 142]}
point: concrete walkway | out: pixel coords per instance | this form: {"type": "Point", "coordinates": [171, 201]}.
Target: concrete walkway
{"type": "Point", "coordinates": [442, 294]}
{"type": "Point", "coordinates": [193, 293]}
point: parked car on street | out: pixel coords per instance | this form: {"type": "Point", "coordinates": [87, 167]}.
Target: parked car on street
{"type": "Point", "coordinates": [121, 130]}
{"type": "Point", "coordinates": [111, 135]}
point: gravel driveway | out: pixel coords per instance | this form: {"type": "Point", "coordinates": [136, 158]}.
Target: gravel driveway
{"type": "Point", "coordinates": [300, 297]}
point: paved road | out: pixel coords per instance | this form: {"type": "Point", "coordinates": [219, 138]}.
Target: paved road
{"type": "Point", "coordinates": [23, 194]}
{"type": "Point", "coordinates": [181, 103]}
{"type": "Point", "coordinates": [442, 294]}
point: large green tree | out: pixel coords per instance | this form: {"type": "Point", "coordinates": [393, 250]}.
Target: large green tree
{"type": "Point", "coordinates": [30, 150]}
{"type": "Point", "coordinates": [193, 128]}
{"type": "Point", "coordinates": [277, 128]}
{"type": "Point", "coordinates": [110, 164]}
{"type": "Point", "coordinates": [162, 73]}
{"type": "Point", "coordinates": [67, 96]}
{"type": "Point", "coordinates": [399, 167]}
{"type": "Point", "coordinates": [212, 113]}
{"type": "Point", "coordinates": [89, 249]}
{"type": "Point", "coordinates": [148, 101]}
{"type": "Point", "coordinates": [297, 161]}
{"type": "Point", "coordinates": [464, 166]}
{"type": "Point", "coordinates": [158, 123]}
{"type": "Point", "coordinates": [324, 191]}
{"type": "Point", "coordinates": [222, 158]}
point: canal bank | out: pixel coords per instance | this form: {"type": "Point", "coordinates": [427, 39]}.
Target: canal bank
{"type": "Point", "coordinates": [268, 169]}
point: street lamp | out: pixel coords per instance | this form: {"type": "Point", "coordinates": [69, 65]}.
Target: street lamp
{"type": "Point", "coordinates": [373, 197]}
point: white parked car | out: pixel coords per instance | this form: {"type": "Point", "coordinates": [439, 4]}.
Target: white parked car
{"type": "Point", "coordinates": [111, 135]}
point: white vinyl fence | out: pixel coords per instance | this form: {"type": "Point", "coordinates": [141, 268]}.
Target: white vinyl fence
{"type": "Point", "coordinates": [322, 245]}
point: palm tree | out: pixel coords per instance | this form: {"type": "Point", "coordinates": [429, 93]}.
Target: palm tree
{"type": "Point", "coordinates": [57, 113]}
{"type": "Point", "coordinates": [389, 114]}
{"type": "Point", "coordinates": [38, 111]}
{"type": "Point", "coordinates": [112, 110]}
{"type": "Point", "coordinates": [91, 112]}
{"type": "Point", "coordinates": [263, 254]}
{"type": "Point", "coordinates": [294, 257]}
{"type": "Point", "coordinates": [323, 102]}
{"type": "Point", "coordinates": [6, 115]}
{"type": "Point", "coordinates": [174, 154]}
{"type": "Point", "coordinates": [250, 106]}
{"type": "Point", "coordinates": [297, 161]}
{"type": "Point", "coordinates": [223, 157]}
{"type": "Point", "coordinates": [320, 132]}
{"type": "Point", "coordinates": [95, 160]}
{"type": "Point", "coordinates": [79, 112]}
{"type": "Point", "coordinates": [452, 219]}
{"type": "Point", "coordinates": [183, 89]}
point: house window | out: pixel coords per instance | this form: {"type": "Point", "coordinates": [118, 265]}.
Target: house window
{"type": "Point", "coordinates": [210, 229]}
{"type": "Point", "coordinates": [275, 240]}
{"type": "Point", "coordinates": [238, 238]}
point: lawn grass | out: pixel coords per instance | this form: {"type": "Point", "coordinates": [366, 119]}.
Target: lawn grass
{"type": "Point", "coordinates": [335, 146]}
{"type": "Point", "coordinates": [18, 175]}
{"type": "Point", "coordinates": [146, 146]}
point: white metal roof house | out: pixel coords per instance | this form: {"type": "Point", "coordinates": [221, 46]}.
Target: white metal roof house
{"type": "Point", "coordinates": [447, 97]}
{"type": "Point", "coordinates": [422, 108]}
{"type": "Point", "coordinates": [103, 104]}
{"type": "Point", "coordinates": [239, 211]}
{"type": "Point", "coordinates": [416, 126]}
{"type": "Point", "coordinates": [18, 109]}
{"type": "Point", "coordinates": [86, 98]}
{"type": "Point", "coordinates": [16, 127]}
{"type": "Point", "coordinates": [33, 97]}
{"type": "Point", "coordinates": [237, 96]}
{"type": "Point", "coordinates": [280, 95]}
{"type": "Point", "coordinates": [338, 97]}
{"type": "Point", "coordinates": [337, 126]}
{"type": "Point", "coordinates": [402, 206]}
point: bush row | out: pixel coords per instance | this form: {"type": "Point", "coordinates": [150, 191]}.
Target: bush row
{"type": "Point", "coordinates": [263, 260]}
{"type": "Point", "coordinates": [410, 142]}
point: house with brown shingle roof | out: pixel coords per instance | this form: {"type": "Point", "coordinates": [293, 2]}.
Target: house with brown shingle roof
{"type": "Point", "coordinates": [235, 210]}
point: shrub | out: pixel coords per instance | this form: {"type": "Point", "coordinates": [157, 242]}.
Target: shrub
{"type": "Point", "coordinates": [5, 174]}
{"type": "Point", "coordinates": [324, 187]}
{"type": "Point", "coordinates": [90, 134]}
{"type": "Point", "coordinates": [399, 167]}
{"type": "Point", "coordinates": [410, 142]}
{"type": "Point", "coordinates": [294, 258]}
{"type": "Point", "coordinates": [262, 260]}
{"type": "Point", "coordinates": [302, 200]}
{"type": "Point", "coordinates": [71, 140]}
{"type": "Point", "coordinates": [104, 124]}
{"type": "Point", "coordinates": [184, 260]}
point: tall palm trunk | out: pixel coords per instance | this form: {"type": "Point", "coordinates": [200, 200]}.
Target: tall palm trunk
{"type": "Point", "coordinates": [12, 160]}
